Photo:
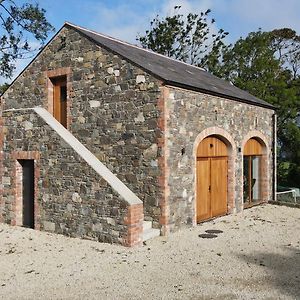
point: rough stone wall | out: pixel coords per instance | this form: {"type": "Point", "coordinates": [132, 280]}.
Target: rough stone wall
{"type": "Point", "coordinates": [190, 113]}
{"type": "Point", "coordinates": [72, 199]}
{"type": "Point", "coordinates": [112, 109]}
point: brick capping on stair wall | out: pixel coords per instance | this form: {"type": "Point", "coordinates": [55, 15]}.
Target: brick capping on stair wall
{"type": "Point", "coordinates": [17, 185]}
{"type": "Point", "coordinates": [49, 90]}
{"type": "Point", "coordinates": [134, 222]}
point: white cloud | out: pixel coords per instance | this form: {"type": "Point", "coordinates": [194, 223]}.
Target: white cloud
{"type": "Point", "coordinates": [239, 17]}
{"type": "Point", "coordinates": [242, 16]}
{"type": "Point", "coordinates": [126, 21]}
{"type": "Point", "coordinates": [267, 14]}
{"type": "Point", "coordinates": [121, 22]}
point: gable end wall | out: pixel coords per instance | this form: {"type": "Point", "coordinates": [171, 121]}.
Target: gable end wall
{"type": "Point", "coordinates": [112, 109]}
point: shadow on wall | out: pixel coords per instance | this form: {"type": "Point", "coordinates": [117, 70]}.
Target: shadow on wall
{"type": "Point", "coordinates": [283, 270]}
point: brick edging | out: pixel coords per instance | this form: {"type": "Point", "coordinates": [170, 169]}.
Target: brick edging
{"type": "Point", "coordinates": [134, 222]}
{"type": "Point", "coordinates": [163, 162]}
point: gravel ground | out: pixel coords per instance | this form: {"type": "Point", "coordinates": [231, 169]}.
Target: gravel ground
{"type": "Point", "coordinates": [257, 256]}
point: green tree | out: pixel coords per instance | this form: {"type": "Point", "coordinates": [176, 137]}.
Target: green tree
{"type": "Point", "coordinates": [286, 44]}
{"type": "Point", "coordinates": [189, 39]}
{"type": "Point", "coordinates": [20, 24]}
{"type": "Point", "coordinates": [3, 88]}
{"type": "Point", "coordinates": [267, 65]}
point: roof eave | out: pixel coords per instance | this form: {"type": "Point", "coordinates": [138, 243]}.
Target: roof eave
{"type": "Point", "coordinates": [209, 92]}
{"type": "Point", "coordinates": [169, 82]}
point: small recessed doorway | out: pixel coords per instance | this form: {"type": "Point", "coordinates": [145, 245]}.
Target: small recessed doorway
{"type": "Point", "coordinates": [211, 170]}
{"type": "Point", "coordinates": [27, 192]}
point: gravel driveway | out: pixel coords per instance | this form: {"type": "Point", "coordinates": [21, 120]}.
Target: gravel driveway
{"type": "Point", "coordinates": [256, 256]}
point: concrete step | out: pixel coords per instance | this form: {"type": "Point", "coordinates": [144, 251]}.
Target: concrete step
{"type": "Point", "coordinates": [150, 234]}
{"type": "Point", "coordinates": [147, 225]}
{"type": "Point", "coordinates": [148, 231]}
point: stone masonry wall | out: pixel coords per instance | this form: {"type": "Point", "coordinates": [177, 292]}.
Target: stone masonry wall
{"type": "Point", "coordinates": [143, 136]}
{"type": "Point", "coordinates": [190, 113]}
{"type": "Point", "coordinates": [72, 199]}
{"type": "Point", "coordinates": [112, 107]}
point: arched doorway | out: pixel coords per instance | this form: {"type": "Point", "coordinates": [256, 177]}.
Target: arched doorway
{"type": "Point", "coordinates": [211, 173]}
{"type": "Point", "coordinates": [252, 174]}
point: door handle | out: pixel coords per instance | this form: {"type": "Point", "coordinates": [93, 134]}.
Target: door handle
{"type": "Point", "coordinates": [209, 188]}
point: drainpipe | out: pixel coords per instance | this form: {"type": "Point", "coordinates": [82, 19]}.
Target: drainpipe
{"type": "Point", "coordinates": [1, 156]}
{"type": "Point", "coordinates": [274, 156]}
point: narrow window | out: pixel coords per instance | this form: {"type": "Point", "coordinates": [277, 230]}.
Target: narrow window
{"type": "Point", "coordinates": [60, 99]}
{"type": "Point", "coordinates": [252, 172]}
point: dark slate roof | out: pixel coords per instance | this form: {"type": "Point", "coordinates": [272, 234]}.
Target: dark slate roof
{"type": "Point", "coordinates": [171, 71]}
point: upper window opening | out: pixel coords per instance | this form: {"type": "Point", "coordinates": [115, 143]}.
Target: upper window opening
{"type": "Point", "coordinates": [60, 99]}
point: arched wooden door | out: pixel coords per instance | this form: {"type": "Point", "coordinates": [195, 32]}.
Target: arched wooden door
{"type": "Point", "coordinates": [211, 173]}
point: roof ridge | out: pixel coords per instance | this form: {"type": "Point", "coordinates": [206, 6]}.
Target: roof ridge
{"type": "Point", "coordinates": [135, 46]}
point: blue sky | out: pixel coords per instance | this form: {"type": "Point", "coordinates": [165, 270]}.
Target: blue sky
{"type": "Point", "coordinates": [125, 19]}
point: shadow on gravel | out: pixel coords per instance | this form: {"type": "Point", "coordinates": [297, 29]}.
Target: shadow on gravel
{"type": "Point", "coordinates": [284, 270]}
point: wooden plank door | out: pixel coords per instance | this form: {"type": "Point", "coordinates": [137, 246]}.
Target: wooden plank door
{"type": "Point", "coordinates": [218, 170]}
{"type": "Point", "coordinates": [203, 189]}
{"type": "Point", "coordinates": [60, 100]}
{"type": "Point", "coordinates": [28, 192]}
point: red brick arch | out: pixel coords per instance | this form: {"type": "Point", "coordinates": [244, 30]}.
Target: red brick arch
{"type": "Point", "coordinates": [264, 164]}
{"type": "Point", "coordinates": [231, 146]}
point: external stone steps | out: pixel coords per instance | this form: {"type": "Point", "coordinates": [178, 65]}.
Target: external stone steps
{"type": "Point", "coordinates": [147, 225]}
{"type": "Point", "coordinates": [149, 232]}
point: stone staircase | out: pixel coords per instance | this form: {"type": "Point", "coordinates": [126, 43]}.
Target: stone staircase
{"type": "Point", "coordinates": [149, 232]}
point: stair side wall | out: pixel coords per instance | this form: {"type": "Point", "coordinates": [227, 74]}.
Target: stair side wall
{"type": "Point", "coordinates": [70, 197]}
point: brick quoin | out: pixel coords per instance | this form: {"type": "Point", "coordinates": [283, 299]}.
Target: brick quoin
{"type": "Point", "coordinates": [134, 222]}
{"type": "Point", "coordinates": [162, 162]}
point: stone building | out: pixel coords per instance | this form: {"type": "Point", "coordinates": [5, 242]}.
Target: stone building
{"type": "Point", "coordinates": [104, 140]}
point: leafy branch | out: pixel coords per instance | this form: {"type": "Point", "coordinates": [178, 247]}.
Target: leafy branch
{"type": "Point", "coordinates": [20, 24]}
